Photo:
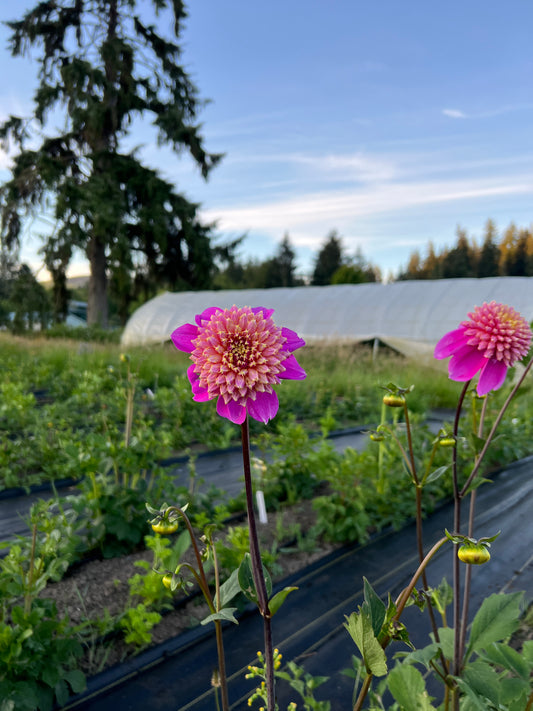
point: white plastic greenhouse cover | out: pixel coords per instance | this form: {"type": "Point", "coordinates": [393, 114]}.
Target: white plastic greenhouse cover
{"type": "Point", "coordinates": [409, 316]}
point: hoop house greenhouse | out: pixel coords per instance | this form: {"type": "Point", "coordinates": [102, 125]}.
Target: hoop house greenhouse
{"type": "Point", "coordinates": [409, 316]}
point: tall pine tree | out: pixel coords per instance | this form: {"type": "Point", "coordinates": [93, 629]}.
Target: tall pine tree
{"type": "Point", "coordinates": [104, 63]}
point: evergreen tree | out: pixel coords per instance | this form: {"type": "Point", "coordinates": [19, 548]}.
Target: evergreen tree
{"type": "Point", "coordinates": [517, 262]}
{"type": "Point", "coordinates": [458, 262]}
{"type": "Point", "coordinates": [103, 63]}
{"type": "Point", "coordinates": [284, 262]}
{"type": "Point", "coordinates": [432, 266]}
{"type": "Point", "coordinates": [507, 248]}
{"type": "Point", "coordinates": [488, 262]}
{"type": "Point", "coordinates": [328, 260]}
{"type": "Point", "coordinates": [413, 269]}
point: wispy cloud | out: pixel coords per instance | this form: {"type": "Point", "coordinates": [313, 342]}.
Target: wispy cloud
{"type": "Point", "coordinates": [489, 113]}
{"type": "Point", "coordinates": [307, 218]}
{"type": "Point", "coordinates": [454, 113]}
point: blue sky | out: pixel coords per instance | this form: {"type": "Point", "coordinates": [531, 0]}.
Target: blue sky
{"type": "Point", "coordinates": [391, 122]}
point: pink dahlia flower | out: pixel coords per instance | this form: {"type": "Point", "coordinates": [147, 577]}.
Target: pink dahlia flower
{"type": "Point", "coordinates": [238, 355]}
{"type": "Point", "coordinates": [493, 340]}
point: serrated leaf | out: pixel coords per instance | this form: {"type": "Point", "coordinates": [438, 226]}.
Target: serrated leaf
{"type": "Point", "coordinates": [483, 680]}
{"type": "Point", "coordinates": [477, 703]}
{"type": "Point", "coordinates": [407, 686]}
{"type": "Point", "coordinates": [359, 627]}
{"type": "Point", "coordinates": [496, 619]}
{"type": "Point", "coordinates": [278, 599]}
{"type": "Point", "coordinates": [514, 690]}
{"type": "Point", "coordinates": [376, 606]}
{"type": "Point", "coordinates": [227, 613]}
{"type": "Point", "coordinates": [508, 658]}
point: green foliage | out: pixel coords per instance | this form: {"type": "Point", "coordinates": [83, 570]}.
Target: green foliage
{"type": "Point", "coordinates": [38, 655]}
{"type": "Point", "coordinates": [494, 674]}
{"type": "Point", "coordinates": [305, 684]}
{"type": "Point", "coordinates": [233, 549]}
{"type": "Point", "coordinates": [409, 689]}
{"type": "Point", "coordinates": [166, 555]}
{"type": "Point", "coordinates": [296, 465]}
{"type": "Point", "coordinates": [137, 624]}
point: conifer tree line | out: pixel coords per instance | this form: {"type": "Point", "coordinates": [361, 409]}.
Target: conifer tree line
{"type": "Point", "coordinates": [507, 254]}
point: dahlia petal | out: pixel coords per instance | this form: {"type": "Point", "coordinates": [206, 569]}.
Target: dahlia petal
{"type": "Point", "coordinates": [232, 411]}
{"type": "Point", "coordinates": [293, 340]}
{"type": "Point", "coordinates": [206, 315]}
{"type": "Point", "coordinates": [492, 376]}
{"type": "Point", "coordinates": [465, 363]}
{"type": "Point", "coordinates": [261, 310]}
{"type": "Point", "coordinates": [183, 337]}
{"type": "Point", "coordinates": [264, 407]}
{"type": "Point", "coordinates": [293, 370]}
{"type": "Point", "coordinates": [200, 394]}
{"type": "Point", "coordinates": [450, 343]}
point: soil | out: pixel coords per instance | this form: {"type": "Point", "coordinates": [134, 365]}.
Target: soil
{"type": "Point", "coordinates": [94, 587]}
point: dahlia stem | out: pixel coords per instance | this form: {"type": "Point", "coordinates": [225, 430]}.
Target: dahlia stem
{"type": "Point", "coordinates": [457, 496]}
{"type": "Point", "coordinates": [257, 569]}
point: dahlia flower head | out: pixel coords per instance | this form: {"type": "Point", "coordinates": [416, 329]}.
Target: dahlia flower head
{"type": "Point", "coordinates": [493, 339]}
{"type": "Point", "coordinates": [238, 355]}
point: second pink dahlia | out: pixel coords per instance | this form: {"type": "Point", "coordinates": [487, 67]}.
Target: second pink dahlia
{"type": "Point", "coordinates": [493, 340]}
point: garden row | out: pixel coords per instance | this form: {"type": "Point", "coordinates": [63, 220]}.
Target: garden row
{"type": "Point", "coordinates": [140, 413]}
{"type": "Point", "coordinates": [68, 410]}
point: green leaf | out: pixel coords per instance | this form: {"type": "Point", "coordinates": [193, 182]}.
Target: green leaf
{"type": "Point", "coordinates": [246, 579]}
{"type": "Point", "coordinates": [407, 686]}
{"type": "Point", "coordinates": [446, 641]}
{"type": "Point", "coordinates": [61, 692]}
{"type": "Point", "coordinates": [76, 679]}
{"type": "Point", "coordinates": [514, 690]}
{"type": "Point", "coordinates": [483, 680]}
{"type": "Point", "coordinates": [436, 474]}
{"type": "Point", "coordinates": [527, 651]}
{"type": "Point", "coordinates": [278, 599]}
{"type": "Point", "coordinates": [423, 656]}
{"type": "Point", "coordinates": [476, 702]}
{"type": "Point", "coordinates": [359, 627]}
{"type": "Point", "coordinates": [376, 607]}
{"type": "Point", "coordinates": [496, 619]}
{"type": "Point", "coordinates": [508, 658]}
{"type": "Point", "coordinates": [477, 442]}
{"type": "Point", "coordinates": [230, 588]}
{"type": "Point", "coordinates": [225, 614]}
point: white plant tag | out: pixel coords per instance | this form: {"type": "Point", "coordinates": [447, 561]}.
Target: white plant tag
{"type": "Point", "coordinates": [260, 498]}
